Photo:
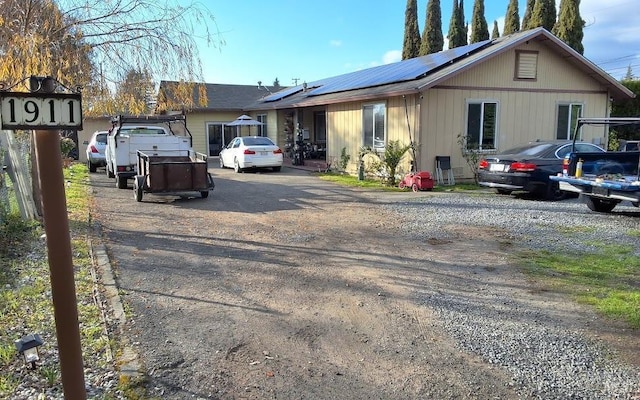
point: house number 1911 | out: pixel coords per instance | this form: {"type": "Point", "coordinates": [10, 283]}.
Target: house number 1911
{"type": "Point", "coordinates": [51, 111]}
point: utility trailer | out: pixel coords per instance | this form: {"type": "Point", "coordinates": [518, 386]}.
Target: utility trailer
{"type": "Point", "coordinates": [172, 173]}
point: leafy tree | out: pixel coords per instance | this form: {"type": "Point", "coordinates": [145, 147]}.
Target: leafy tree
{"type": "Point", "coordinates": [432, 39]}
{"type": "Point", "coordinates": [544, 15]}
{"type": "Point", "coordinates": [457, 35]}
{"type": "Point", "coordinates": [512, 19]}
{"type": "Point", "coordinates": [479, 28]}
{"type": "Point", "coordinates": [528, 11]}
{"type": "Point", "coordinates": [496, 32]}
{"type": "Point", "coordinates": [93, 44]}
{"type": "Point", "coordinates": [629, 108]}
{"type": "Point", "coordinates": [35, 40]}
{"type": "Point", "coordinates": [411, 44]}
{"type": "Point", "coordinates": [569, 25]}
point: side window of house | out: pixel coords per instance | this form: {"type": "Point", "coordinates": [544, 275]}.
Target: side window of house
{"type": "Point", "coordinates": [482, 122]}
{"type": "Point", "coordinates": [568, 114]}
{"type": "Point", "coordinates": [262, 129]}
{"type": "Point", "coordinates": [373, 125]}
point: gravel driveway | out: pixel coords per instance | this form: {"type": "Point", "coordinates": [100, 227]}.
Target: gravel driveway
{"type": "Point", "coordinates": [282, 286]}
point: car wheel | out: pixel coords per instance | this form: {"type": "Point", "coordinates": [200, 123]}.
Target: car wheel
{"type": "Point", "coordinates": [599, 205]}
{"type": "Point", "coordinates": [554, 193]}
{"type": "Point", "coordinates": [414, 187]}
{"type": "Point", "coordinates": [221, 162]}
{"type": "Point", "coordinates": [236, 166]}
{"type": "Point", "coordinates": [277, 169]}
{"type": "Point", "coordinates": [92, 167]}
{"type": "Point", "coordinates": [402, 185]}
{"type": "Point", "coordinates": [204, 194]}
{"type": "Point", "coordinates": [504, 192]}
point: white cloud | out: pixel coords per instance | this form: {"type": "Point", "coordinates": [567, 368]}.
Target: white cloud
{"type": "Point", "coordinates": [335, 43]}
{"type": "Point", "coordinates": [611, 34]}
{"type": "Point", "coordinates": [392, 56]}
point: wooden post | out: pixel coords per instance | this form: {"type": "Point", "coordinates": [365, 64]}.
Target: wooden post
{"type": "Point", "coordinates": [56, 224]}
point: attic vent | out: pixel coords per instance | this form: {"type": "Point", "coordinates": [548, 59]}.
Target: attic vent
{"type": "Point", "coordinates": [526, 65]}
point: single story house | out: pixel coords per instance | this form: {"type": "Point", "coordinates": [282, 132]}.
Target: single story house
{"type": "Point", "coordinates": [486, 97]}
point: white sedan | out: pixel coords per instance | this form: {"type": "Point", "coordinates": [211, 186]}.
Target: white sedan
{"type": "Point", "coordinates": [246, 152]}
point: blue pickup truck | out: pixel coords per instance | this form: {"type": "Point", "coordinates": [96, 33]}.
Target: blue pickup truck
{"type": "Point", "coordinates": [603, 179]}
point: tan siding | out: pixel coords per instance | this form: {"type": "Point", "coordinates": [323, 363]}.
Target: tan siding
{"type": "Point", "coordinates": [522, 117]}
{"type": "Point", "coordinates": [554, 73]}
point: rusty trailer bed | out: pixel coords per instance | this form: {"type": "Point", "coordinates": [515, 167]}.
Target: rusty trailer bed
{"type": "Point", "coordinates": [172, 172]}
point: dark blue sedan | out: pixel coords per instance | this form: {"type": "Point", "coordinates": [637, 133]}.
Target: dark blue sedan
{"type": "Point", "coordinates": [527, 168]}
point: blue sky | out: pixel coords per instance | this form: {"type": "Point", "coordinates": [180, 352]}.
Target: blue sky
{"type": "Point", "coordinates": [309, 40]}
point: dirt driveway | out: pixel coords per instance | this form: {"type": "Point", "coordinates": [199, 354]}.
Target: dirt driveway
{"type": "Point", "coordinates": [282, 286]}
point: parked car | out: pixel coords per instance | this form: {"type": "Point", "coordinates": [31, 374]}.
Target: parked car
{"type": "Point", "coordinates": [246, 152]}
{"type": "Point", "coordinates": [527, 168]}
{"type": "Point", "coordinates": [95, 150]}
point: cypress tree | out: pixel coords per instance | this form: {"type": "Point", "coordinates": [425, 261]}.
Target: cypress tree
{"type": "Point", "coordinates": [456, 28]}
{"type": "Point", "coordinates": [511, 19]}
{"type": "Point", "coordinates": [411, 44]}
{"type": "Point", "coordinates": [570, 24]}
{"type": "Point", "coordinates": [479, 28]}
{"type": "Point", "coordinates": [463, 24]}
{"type": "Point", "coordinates": [495, 33]}
{"type": "Point", "coordinates": [432, 40]}
{"type": "Point", "coordinates": [527, 14]}
{"type": "Point", "coordinates": [544, 15]}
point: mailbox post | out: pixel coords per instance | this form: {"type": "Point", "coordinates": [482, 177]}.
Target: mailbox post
{"type": "Point", "coordinates": [47, 113]}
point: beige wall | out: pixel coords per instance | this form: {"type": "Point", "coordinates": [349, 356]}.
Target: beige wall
{"type": "Point", "coordinates": [197, 125]}
{"type": "Point", "coordinates": [526, 110]}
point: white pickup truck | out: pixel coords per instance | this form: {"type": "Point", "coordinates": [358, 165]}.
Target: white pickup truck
{"type": "Point", "coordinates": [165, 135]}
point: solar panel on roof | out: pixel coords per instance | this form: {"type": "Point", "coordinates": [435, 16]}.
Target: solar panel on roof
{"type": "Point", "coordinates": [381, 75]}
{"type": "Point", "coordinates": [391, 73]}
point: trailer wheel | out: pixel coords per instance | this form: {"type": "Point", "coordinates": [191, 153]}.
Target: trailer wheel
{"type": "Point", "coordinates": [599, 205]}
{"type": "Point", "coordinates": [138, 188]}
{"type": "Point", "coordinates": [204, 194]}
{"type": "Point", "coordinates": [121, 182]}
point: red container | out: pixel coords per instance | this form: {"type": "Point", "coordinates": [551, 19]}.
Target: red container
{"type": "Point", "coordinates": [417, 181]}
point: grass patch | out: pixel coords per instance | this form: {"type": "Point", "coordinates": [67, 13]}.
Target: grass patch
{"type": "Point", "coordinates": [25, 296]}
{"type": "Point", "coordinates": [608, 280]}
{"type": "Point", "coordinates": [352, 181]}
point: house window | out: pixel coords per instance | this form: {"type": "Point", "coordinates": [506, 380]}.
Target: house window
{"type": "Point", "coordinates": [262, 129]}
{"type": "Point", "coordinates": [482, 121]}
{"type": "Point", "coordinates": [568, 115]}
{"type": "Point", "coordinates": [526, 65]}
{"type": "Point", "coordinates": [373, 126]}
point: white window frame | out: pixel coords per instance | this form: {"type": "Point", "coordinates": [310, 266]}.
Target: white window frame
{"type": "Point", "coordinates": [262, 129]}
{"type": "Point", "coordinates": [482, 103]}
{"type": "Point", "coordinates": [376, 142]}
{"type": "Point", "coordinates": [571, 122]}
